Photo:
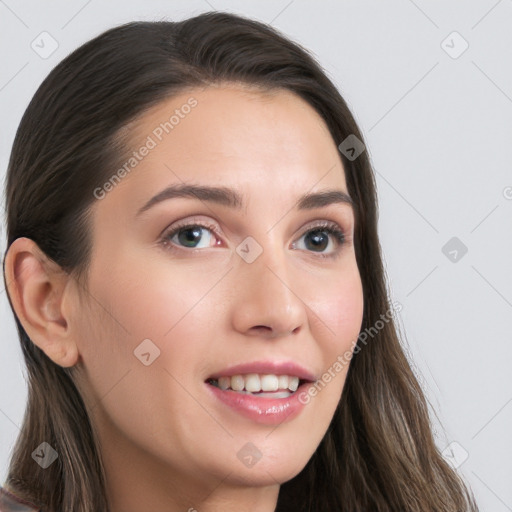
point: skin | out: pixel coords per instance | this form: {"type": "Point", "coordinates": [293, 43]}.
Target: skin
{"type": "Point", "coordinates": [166, 444]}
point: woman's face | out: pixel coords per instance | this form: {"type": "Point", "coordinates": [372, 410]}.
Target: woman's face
{"type": "Point", "coordinates": [255, 283]}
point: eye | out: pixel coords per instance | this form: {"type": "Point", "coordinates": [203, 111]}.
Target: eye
{"type": "Point", "coordinates": [319, 238]}
{"type": "Point", "coordinates": [191, 236]}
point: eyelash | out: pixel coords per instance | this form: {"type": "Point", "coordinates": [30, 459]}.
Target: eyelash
{"type": "Point", "coordinates": [328, 227]}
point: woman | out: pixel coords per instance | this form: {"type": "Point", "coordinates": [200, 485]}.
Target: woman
{"type": "Point", "coordinates": [192, 262]}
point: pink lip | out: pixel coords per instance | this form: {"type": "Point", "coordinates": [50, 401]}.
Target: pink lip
{"type": "Point", "coordinates": [266, 367]}
{"type": "Point", "coordinates": [267, 411]}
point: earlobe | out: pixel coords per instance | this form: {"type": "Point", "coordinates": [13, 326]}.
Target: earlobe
{"type": "Point", "coordinates": [36, 287]}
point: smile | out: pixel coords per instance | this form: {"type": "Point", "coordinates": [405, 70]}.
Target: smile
{"type": "Point", "coordinates": [263, 385]}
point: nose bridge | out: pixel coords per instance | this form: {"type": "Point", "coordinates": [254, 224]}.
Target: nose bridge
{"type": "Point", "coordinates": [265, 289]}
{"type": "Point", "coordinates": [267, 259]}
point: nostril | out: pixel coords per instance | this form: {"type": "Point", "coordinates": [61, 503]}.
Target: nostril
{"type": "Point", "coordinates": [262, 328]}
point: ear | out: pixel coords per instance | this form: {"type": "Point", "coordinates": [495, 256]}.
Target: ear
{"type": "Point", "coordinates": [40, 291]}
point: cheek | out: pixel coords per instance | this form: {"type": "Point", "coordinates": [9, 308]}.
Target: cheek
{"type": "Point", "coordinates": [144, 300]}
{"type": "Point", "coordinates": [128, 308]}
{"type": "Point", "coordinates": [340, 309]}
{"type": "Point", "coordinates": [152, 297]}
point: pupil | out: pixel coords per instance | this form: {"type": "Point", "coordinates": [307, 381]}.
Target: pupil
{"type": "Point", "coordinates": [196, 230]}
{"type": "Point", "coordinates": [316, 237]}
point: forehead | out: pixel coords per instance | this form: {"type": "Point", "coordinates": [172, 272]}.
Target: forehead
{"type": "Point", "coordinates": [262, 143]}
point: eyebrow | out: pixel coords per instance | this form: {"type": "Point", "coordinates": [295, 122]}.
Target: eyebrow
{"type": "Point", "coordinates": [231, 198]}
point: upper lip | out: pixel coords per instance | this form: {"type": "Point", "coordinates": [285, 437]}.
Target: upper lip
{"type": "Point", "coordinates": [267, 367]}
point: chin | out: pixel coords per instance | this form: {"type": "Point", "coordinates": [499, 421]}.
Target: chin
{"type": "Point", "coordinates": [277, 462]}
{"type": "Point", "coordinates": [264, 474]}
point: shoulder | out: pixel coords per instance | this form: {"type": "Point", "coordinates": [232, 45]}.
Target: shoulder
{"type": "Point", "coordinates": [9, 502]}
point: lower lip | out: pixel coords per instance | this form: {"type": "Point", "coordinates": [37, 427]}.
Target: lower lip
{"type": "Point", "coordinates": [267, 411]}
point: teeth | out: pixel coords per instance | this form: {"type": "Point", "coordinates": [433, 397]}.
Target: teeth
{"type": "Point", "coordinates": [282, 382]}
{"type": "Point", "coordinates": [237, 383]}
{"type": "Point", "coordinates": [225, 383]}
{"type": "Point", "coordinates": [264, 384]}
{"type": "Point", "coordinates": [252, 382]}
{"type": "Point", "coordinates": [293, 384]}
{"type": "Point", "coordinates": [269, 383]}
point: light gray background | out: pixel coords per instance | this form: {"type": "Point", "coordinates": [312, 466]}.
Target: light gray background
{"type": "Point", "coordinates": [438, 130]}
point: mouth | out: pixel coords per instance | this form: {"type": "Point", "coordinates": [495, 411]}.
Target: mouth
{"type": "Point", "coordinates": [265, 385]}
{"type": "Point", "coordinates": [266, 392]}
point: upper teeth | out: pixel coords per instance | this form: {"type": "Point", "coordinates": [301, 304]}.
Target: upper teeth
{"type": "Point", "coordinates": [255, 382]}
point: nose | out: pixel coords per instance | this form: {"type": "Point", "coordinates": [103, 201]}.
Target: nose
{"type": "Point", "coordinates": [266, 303]}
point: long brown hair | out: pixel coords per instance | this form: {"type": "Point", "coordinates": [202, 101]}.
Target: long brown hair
{"type": "Point", "coordinates": [378, 453]}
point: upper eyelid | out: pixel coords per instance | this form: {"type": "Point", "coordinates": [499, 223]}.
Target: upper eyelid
{"type": "Point", "coordinates": [181, 224]}
{"type": "Point", "coordinates": [324, 223]}
{"type": "Point", "coordinates": [341, 236]}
